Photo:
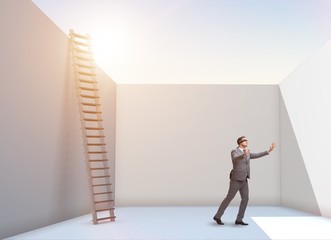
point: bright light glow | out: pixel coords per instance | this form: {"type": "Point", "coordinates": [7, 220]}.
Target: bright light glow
{"type": "Point", "coordinates": [110, 47]}
{"type": "Point", "coordinates": [208, 42]}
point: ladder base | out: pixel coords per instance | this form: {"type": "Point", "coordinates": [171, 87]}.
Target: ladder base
{"type": "Point", "coordinates": [104, 219]}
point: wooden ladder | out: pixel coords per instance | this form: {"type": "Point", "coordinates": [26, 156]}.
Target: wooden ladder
{"type": "Point", "coordinates": [99, 179]}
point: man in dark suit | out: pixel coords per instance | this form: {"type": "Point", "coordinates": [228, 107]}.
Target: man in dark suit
{"type": "Point", "coordinates": [238, 179]}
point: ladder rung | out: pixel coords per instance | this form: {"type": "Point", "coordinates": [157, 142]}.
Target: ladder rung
{"type": "Point", "coordinates": [85, 66]}
{"type": "Point", "coordinates": [98, 160]}
{"type": "Point", "coordinates": [100, 193]}
{"type": "Point", "coordinates": [80, 36]}
{"type": "Point", "coordinates": [94, 128]}
{"type": "Point", "coordinates": [88, 96]}
{"type": "Point", "coordinates": [82, 43]}
{"type": "Point", "coordinates": [95, 136]}
{"type": "Point", "coordinates": [86, 81]}
{"type": "Point", "coordinates": [92, 112]}
{"type": "Point", "coordinates": [100, 185]}
{"type": "Point", "coordinates": [96, 144]}
{"type": "Point", "coordinates": [97, 152]}
{"type": "Point", "coordinates": [91, 104]}
{"type": "Point", "coordinates": [92, 120]}
{"type": "Point", "coordinates": [85, 59]}
{"type": "Point", "coordinates": [87, 74]}
{"type": "Point", "coordinates": [89, 89]}
{"type": "Point", "coordinates": [111, 218]}
{"type": "Point", "coordinates": [104, 201]}
{"type": "Point", "coordinates": [101, 168]}
{"type": "Point", "coordinates": [106, 176]}
{"type": "Point", "coordinates": [82, 50]}
{"type": "Point", "coordinates": [105, 209]}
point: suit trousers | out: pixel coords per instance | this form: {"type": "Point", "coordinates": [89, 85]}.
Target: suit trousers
{"type": "Point", "coordinates": [235, 186]}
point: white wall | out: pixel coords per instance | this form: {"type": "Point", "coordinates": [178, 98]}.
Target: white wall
{"type": "Point", "coordinates": [306, 94]}
{"type": "Point", "coordinates": [174, 142]}
{"type": "Point", "coordinates": [42, 170]}
{"type": "Point", "coordinates": [296, 189]}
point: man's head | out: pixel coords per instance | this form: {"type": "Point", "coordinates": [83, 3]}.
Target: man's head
{"type": "Point", "coordinates": [242, 141]}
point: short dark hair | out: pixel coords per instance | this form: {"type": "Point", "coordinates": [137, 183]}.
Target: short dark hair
{"type": "Point", "coordinates": [240, 139]}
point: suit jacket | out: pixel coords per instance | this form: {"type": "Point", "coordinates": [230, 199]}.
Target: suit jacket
{"type": "Point", "coordinates": [240, 162]}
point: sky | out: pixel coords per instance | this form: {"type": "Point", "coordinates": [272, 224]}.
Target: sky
{"type": "Point", "coordinates": [196, 41]}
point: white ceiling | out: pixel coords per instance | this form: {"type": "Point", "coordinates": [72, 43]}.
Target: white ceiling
{"type": "Point", "coordinates": [197, 41]}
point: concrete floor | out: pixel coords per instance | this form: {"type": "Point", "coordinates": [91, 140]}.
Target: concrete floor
{"type": "Point", "coordinates": [265, 222]}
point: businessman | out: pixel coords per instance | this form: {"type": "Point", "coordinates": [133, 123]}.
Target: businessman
{"type": "Point", "coordinates": [238, 179]}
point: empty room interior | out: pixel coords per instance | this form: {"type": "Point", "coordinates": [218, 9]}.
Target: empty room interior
{"type": "Point", "coordinates": [178, 82]}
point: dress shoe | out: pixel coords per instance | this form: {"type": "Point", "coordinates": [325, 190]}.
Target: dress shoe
{"type": "Point", "coordinates": [218, 221]}
{"type": "Point", "coordinates": [241, 223]}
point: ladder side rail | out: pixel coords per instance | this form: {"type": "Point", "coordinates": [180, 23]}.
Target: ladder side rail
{"type": "Point", "coordinates": [101, 131]}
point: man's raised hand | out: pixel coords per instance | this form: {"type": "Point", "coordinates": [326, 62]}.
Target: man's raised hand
{"type": "Point", "coordinates": [273, 145]}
